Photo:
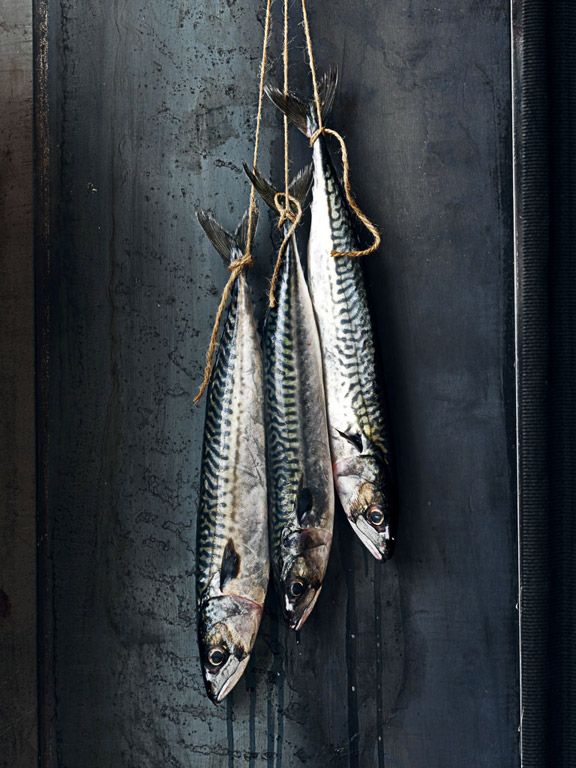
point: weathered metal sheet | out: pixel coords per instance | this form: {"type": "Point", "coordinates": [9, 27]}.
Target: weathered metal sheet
{"type": "Point", "coordinates": [17, 507]}
{"type": "Point", "coordinates": [410, 664]}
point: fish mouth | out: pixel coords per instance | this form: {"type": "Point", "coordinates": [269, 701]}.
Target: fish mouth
{"type": "Point", "coordinates": [380, 545]}
{"type": "Point", "coordinates": [218, 695]}
{"type": "Point", "coordinates": [296, 621]}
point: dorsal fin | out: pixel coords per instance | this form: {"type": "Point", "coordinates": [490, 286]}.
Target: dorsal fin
{"type": "Point", "coordinates": [299, 186]}
{"type": "Point", "coordinates": [229, 246]}
{"type": "Point", "coordinates": [303, 114]}
{"type": "Point", "coordinates": [230, 564]}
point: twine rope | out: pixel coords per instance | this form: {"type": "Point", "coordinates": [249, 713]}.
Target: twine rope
{"type": "Point", "coordinates": [288, 207]}
{"type": "Point", "coordinates": [237, 267]}
{"type": "Point", "coordinates": [286, 213]}
{"type": "Point", "coordinates": [368, 224]}
{"type": "Point", "coordinates": [285, 54]}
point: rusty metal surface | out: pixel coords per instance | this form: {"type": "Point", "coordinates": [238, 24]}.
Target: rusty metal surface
{"type": "Point", "coordinates": [17, 509]}
{"type": "Point", "coordinates": [408, 665]}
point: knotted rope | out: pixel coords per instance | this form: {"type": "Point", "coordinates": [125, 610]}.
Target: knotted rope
{"type": "Point", "coordinates": [376, 239]}
{"type": "Point", "coordinates": [237, 267]}
{"type": "Point", "coordinates": [285, 213]}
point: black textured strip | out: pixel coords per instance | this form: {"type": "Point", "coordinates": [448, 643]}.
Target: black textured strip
{"type": "Point", "coordinates": [531, 228]}
{"type": "Point", "coordinates": [43, 282]}
{"type": "Point", "coordinates": [562, 382]}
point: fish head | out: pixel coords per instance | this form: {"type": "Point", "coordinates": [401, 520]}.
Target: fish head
{"type": "Point", "coordinates": [365, 490]}
{"type": "Point", "coordinates": [227, 629]}
{"type": "Point", "coordinates": [304, 561]}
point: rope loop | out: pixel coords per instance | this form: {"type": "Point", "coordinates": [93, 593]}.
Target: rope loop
{"type": "Point", "coordinates": [368, 224]}
{"type": "Point", "coordinates": [291, 211]}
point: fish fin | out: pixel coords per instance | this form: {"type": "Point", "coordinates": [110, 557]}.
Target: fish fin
{"type": "Point", "coordinates": [229, 246]}
{"type": "Point", "coordinates": [299, 186]}
{"type": "Point", "coordinates": [304, 504]}
{"type": "Point", "coordinates": [223, 241]}
{"type": "Point", "coordinates": [264, 188]}
{"type": "Point", "coordinates": [305, 539]}
{"type": "Point", "coordinates": [230, 564]}
{"type": "Point", "coordinates": [241, 233]}
{"type": "Point", "coordinates": [355, 440]}
{"type": "Point", "coordinates": [303, 114]}
{"type": "Point", "coordinates": [294, 108]}
{"type": "Point", "coordinates": [327, 88]}
{"type": "Point", "coordinates": [301, 183]}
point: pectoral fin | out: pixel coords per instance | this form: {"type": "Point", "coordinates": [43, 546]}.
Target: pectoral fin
{"type": "Point", "coordinates": [230, 564]}
{"type": "Point", "coordinates": [354, 439]}
{"type": "Point", "coordinates": [304, 506]}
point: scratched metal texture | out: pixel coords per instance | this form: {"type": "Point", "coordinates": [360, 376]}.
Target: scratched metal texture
{"type": "Point", "coordinates": [410, 664]}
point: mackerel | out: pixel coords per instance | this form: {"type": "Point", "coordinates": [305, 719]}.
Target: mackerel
{"type": "Point", "coordinates": [359, 441]}
{"type": "Point", "coordinates": [232, 542]}
{"type": "Point", "coordinates": [301, 488]}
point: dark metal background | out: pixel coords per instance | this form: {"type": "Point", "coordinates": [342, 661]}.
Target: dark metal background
{"type": "Point", "coordinates": [18, 722]}
{"type": "Point", "coordinates": [149, 110]}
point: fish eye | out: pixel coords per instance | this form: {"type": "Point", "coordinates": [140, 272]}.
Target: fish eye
{"type": "Point", "coordinates": [296, 588]}
{"type": "Point", "coordinates": [375, 515]}
{"type": "Point", "coordinates": [217, 656]}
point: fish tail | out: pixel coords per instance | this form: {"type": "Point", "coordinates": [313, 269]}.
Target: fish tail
{"type": "Point", "coordinates": [243, 230]}
{"type": "Point", "coordinates": [299, 186]}
{"type": "Point", "coordinates": [229, 246]}
{"type": "Point", "coordinates": [303, 114]}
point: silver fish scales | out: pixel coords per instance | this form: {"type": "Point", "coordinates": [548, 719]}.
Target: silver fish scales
{"type": "Point", "coordinates": [301, 488]}
{"type": "Point", "coordinates": [232, 538]}
{"type": "Point", "coordinates": [359, 441]}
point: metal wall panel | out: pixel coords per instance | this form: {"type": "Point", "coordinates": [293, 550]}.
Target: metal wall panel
{"type": "Point", "coordinates": [411, 664]}
{"type": "Point", "coordinates": [17, 500]}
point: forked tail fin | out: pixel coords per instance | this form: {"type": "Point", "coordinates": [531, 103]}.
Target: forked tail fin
{"type": "Point", "coordinates": [303, 114]}
{"type": "Point", "coordinates": [299, 186]}
{"type": "Point", "coordinates": [230, 247]}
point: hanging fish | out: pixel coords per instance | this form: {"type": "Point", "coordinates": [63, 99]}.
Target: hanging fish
{"type": "Point", "coordinates": [300, 483]}
{"type": "Point", "coordinates": [232, 536]}
{"type": "Point", "coordinates": [358, 435]}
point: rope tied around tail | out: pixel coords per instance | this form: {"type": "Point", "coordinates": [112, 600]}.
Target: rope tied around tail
{"type": "Point", "coordinates": [235, 269]}
{"type": "Point", "coordinates": [290, 210]}
{"type": "Point", "coordinates": [370, 226]}
{"type": "Point", "coordinates": [246, 260]}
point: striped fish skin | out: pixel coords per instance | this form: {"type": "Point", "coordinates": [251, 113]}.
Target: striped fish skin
{"type": "Point", "coordinates": [232, 532]}
{"type": "Point", "coordinates": [301, 488]}
{"type": "Point", "coordinates": [357, 422]}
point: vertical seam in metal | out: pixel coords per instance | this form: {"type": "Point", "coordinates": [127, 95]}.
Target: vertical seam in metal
{"type": "Point", "coordinates": [513, 54]}
{"type": "Point", "coordinates": [531, 248]}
